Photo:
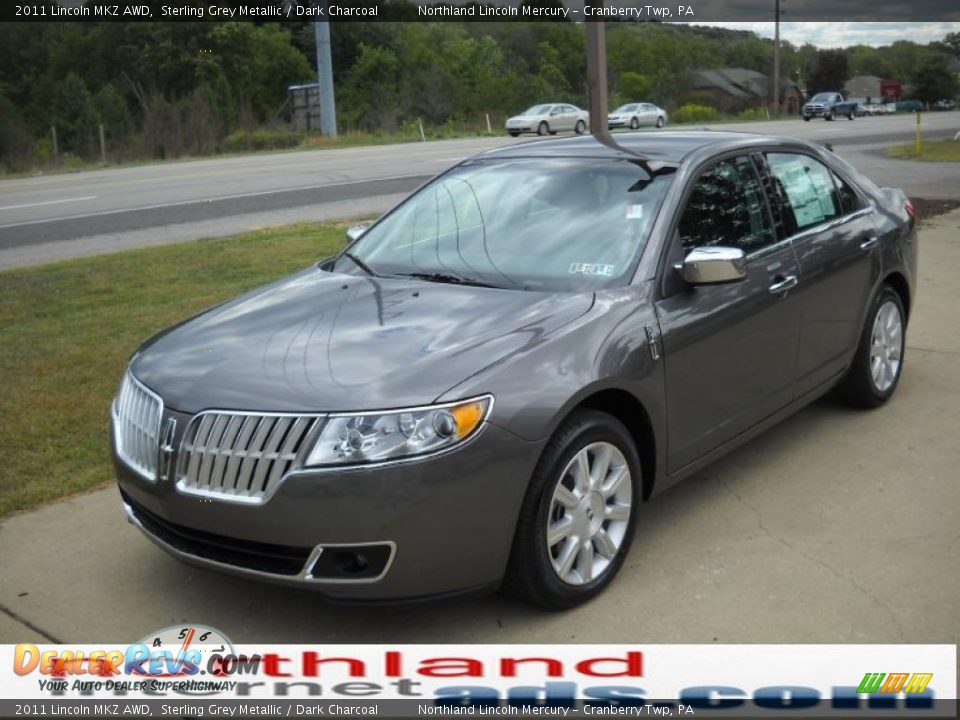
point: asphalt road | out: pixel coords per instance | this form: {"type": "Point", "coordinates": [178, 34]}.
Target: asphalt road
{"type": "Point", "coordinates": [54, 217]}
{"type": "Point", "coordinates": [838, 525]}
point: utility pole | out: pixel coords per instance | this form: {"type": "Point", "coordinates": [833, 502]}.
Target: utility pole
{"type": "Point", "coordinates": [328, 108]}
{"type": "Point", "coordinates": [776, 60]}
{"type": "Point", "coordinates": [597, 75]}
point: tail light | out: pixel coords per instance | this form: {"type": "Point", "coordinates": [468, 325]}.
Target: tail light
{"type": "Point", "coordinates": [911, 210]}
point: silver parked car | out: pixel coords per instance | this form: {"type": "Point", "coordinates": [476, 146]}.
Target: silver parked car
{"type": "Point", "coordinates": [549, 118]}
{"type": "Point", "coordinates": [635, 115]}
{"type": "Point", "coordinates": [489, 383]}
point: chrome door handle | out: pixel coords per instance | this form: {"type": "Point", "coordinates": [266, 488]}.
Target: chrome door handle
{"type": "Point", "coordinates": [790, 281]}
{"type": "Point", "coordinates": [869, 243]}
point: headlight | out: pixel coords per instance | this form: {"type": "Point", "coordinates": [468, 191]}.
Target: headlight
{"type": "Point", "coordinates": [378, 436]}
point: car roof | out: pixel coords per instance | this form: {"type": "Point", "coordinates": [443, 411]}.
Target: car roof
{"type": "Point", "coordinates": [670, 146]}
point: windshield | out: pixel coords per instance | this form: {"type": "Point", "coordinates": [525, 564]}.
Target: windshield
{"type": "Point", "coordinates": [823, 97]}
{"type": "Point", "coordinates": [527, 224]}
{"type": "Point", "coordinates": [625, 109]}
{"type": "Point", "coordinates": [537, 110]}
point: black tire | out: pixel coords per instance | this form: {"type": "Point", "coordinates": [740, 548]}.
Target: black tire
{"type": "Point", "coordinates": [850, 116]}
{"type": "Point", "coordinates": [543, 128]}
{"type": "Point", "coordinates": [580, 128]}
{"type": "Point", "coordinates": [514, 134]}
{"type": "Point", "coordinates": [806, 119]}
{"type": "Point", "coordinates": [828, 116]}
{"type": "Point", "coordinates": [634, 123]}
{"type": "Point", "coordinates": [660, 122]}
{"type": "Point", "coordinates": [858, 387]}
{"type": "Point", "coordinates": [530, 574]}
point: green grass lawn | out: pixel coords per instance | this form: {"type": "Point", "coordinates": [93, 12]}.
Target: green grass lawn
{"type": "Point", "coordinates": [67, 330]}
{"type": "Point", "coordinates": [932, 151]}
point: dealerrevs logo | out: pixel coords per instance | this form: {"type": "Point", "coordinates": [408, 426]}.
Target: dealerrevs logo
{"type": "Point", "coordinates": [175, 652]}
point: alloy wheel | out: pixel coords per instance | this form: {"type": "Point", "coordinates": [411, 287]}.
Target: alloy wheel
{"type": "Point", "coordinates": [589, 513]}
{"type": "Point", "coordinates": [886, 346]}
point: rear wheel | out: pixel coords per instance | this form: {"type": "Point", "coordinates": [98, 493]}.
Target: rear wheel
{"type": "Point", "coordinates": [543, 128]}
{"type": "Point", "coordinates": [578, 517]}
{"type": "Point", "coordinates": [580, 128]}
{"type": "Point", "coordinates": [876, 367]}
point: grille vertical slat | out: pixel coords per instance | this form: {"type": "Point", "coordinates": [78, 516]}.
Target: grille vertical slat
{"type": "Point", "coordinates": [226, 451]}
{"type": "Point", "coordinates": [269, 454]}
{"type": "Point", "coordinates": [136, 416]}
{"type": "Point", "coordinates": [210, 446]}
{"type": "Point", "coordinates": [240, 456]}
{"type": "Point", "coordinates": [250, 458]}
{"type": "Point", "coordinates": [288, 451]}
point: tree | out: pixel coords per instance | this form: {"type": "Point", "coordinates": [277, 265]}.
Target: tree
{"type": "Point", "coordinates": [74, 115]}
{"type": "Point", "coordinates": [830, 73]}
{"type": "Point", "coordinates": [633, 86]}
{"type": "Point", "coordinates": [933, 81]}
{"type": "Point", "coordinates": [952, 43]}
{"type": "Point", "coordinates": [112, 112]}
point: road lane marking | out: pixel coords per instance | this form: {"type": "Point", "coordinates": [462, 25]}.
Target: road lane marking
{"type": "Point", "coordinates": [199, 201]}
{"type": "Point", "coordinates": [48, 202]}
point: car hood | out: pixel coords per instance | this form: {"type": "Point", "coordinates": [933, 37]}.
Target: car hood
{"type": "Point", "coordinates": [317, 341]}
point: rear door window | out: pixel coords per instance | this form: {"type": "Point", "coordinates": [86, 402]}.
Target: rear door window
{"type": "Point", "coordinates": [810, 191]}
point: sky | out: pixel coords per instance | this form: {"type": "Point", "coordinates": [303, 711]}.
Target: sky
{"type": "Point", "coordinates": [843, 34]}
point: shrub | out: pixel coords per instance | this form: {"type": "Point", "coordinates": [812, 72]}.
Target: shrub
{"type": "Point", "coordinates": [752, 114]}
{"type": "Point", "coordinates": [262, 140]}
{"type": "Point", "coordinates": [694, 113]}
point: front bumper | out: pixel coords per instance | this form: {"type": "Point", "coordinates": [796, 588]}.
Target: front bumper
{"type": "Point", "coordinates": [447, 522]}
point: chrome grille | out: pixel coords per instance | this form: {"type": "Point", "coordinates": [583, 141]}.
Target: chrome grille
{"type": "Point", "coordinates": [240, 456]}
{"type": "Point", "coordinates": [136, 418]}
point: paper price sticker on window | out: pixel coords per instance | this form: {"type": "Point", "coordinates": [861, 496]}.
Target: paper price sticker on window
{"type": "Point", "coordinates": [634, 211]}
{"type": "Point", "coordinates": [591, 269]}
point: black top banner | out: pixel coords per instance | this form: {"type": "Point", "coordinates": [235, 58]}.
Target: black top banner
{"type": "Point", "coordinates": [691, 11]}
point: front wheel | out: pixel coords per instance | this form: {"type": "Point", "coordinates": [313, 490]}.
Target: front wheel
{"type": "Point", "coordinates": [579, 514]}
{"type": "Point", "coordinates": [806, 118]}
{"type": "Point", "coordinates": [850, 116]}
{"type": "Point", "coordinates": [580, 128]}
{"type": "Point", "coordinates": [634, 123]}
{"type": "Point", "coordinates": [660, 122]}
{"type": "Point", "coordinates": [514, 133]}
{"type": "Point", "coordinates": [543, 128]}
{"type": "Point", "coordinates": [876, 367]}
{"type": "Point", "coordinates": [828, 116]}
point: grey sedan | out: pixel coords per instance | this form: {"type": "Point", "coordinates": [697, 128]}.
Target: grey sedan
{"type": "Point", "coordinates": [549, 118]}
{"type": "Point", "coordinates": [487, 385]}
{"type": "Point", "coordinates": [636, 115]}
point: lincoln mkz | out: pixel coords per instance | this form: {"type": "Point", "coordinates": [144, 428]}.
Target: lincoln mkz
{"type": "Point", "coordinates": [486, 386]}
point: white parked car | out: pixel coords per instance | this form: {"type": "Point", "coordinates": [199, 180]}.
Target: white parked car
{"type": "Point", "coordinates": [634, 115]}
{"type": "Point", "coordinates": [549, 118]}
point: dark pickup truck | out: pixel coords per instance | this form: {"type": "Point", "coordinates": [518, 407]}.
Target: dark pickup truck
{"type": "Point", "coordinates": [829, 105]}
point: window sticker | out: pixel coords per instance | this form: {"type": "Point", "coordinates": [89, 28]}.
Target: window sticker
{"type": "Point", "coordinates": [591, 269]}
{"type": "Point", "coordinates": [634, 211]}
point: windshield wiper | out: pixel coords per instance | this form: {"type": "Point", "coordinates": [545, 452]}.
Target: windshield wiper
{"type": "Point", "coordinates": [359, 263]}
{"type": "Point", "coordinates": [443, 277]}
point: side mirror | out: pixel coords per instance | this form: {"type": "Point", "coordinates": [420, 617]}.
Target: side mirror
{"type": "Point", "coordinates": [356, 232]}
{"type": "Point", "coordinates": [713, 265]}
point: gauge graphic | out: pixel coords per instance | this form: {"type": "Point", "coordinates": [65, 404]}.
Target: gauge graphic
{"type": "Point", "coordinates": [178, 640]}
